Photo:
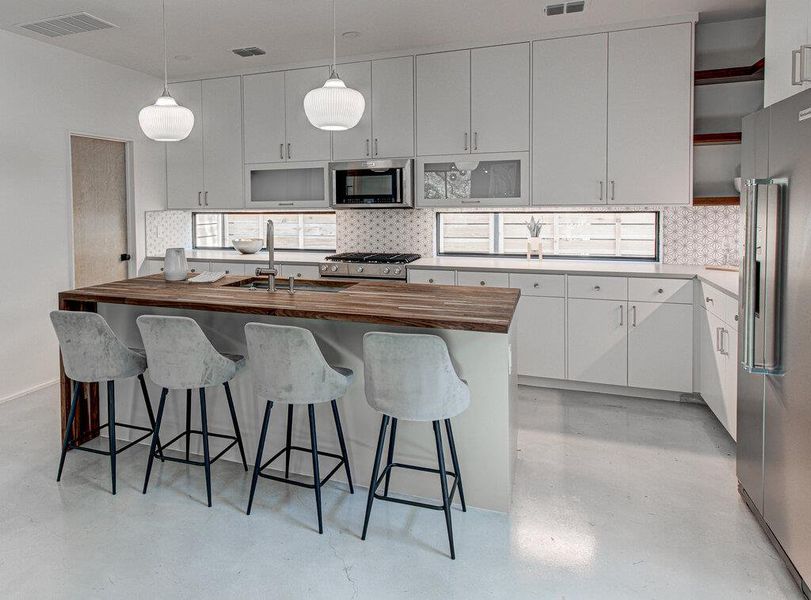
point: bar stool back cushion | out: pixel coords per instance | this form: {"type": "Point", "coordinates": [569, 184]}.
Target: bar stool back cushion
{"type": "Point", "coordinates": [288, 366]}
{"type": "Point", "coordinates": [411, 377]}
{"type": "Point", "coordinates": [91, 352]}
{"type": "Point", "coordinates": [180, 356]}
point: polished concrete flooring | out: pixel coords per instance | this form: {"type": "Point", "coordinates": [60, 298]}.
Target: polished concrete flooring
{"type": "Point", "coordinates": [614, 498]}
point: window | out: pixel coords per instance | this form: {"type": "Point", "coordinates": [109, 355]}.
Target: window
{"type": "Point", "coordinates": [624, 235]}
{"type": "Point", "coordinates": [293, 231]}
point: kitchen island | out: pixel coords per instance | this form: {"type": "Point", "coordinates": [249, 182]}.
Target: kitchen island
{"type": "Point", "coordinates": [477, 325]}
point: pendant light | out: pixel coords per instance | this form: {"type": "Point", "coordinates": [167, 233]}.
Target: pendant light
{"type": "Point", "coordinates": [334, 107]}
{"type": "Point", "coordinates": [166, 120]}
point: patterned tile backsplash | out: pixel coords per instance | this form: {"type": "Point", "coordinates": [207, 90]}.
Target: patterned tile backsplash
{"type": "Point", "coordinates": [694, 235]}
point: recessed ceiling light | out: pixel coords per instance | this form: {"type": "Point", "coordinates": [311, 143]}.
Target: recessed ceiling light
{"type": "Point", "coordinates": [350, 35]}
{"type": "Point", "coordinates": [182, 57]}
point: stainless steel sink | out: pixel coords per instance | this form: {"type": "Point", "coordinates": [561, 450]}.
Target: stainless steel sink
{"type": "Point", "coordinates": [282, 286]}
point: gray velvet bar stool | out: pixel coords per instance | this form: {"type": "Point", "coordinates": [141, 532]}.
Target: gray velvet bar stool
{"type": "Point", "coordinates": [288, 368]}
{"type": "Point", "coordinates": [411, 377]}
{"type": "Point", "coordinates": [180, 357]}
{"type": "Point", "coordinates": [92, 353]}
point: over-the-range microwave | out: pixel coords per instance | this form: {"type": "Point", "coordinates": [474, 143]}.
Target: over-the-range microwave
{"type": "Point", "coordinates": [372, 184]}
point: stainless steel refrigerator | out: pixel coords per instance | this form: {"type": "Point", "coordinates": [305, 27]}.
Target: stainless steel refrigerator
{"type": "Point", "coordinates": [774, 379]}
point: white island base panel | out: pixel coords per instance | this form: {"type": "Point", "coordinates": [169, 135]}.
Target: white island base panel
{"type": "Point", "coordinates": [485, 434]}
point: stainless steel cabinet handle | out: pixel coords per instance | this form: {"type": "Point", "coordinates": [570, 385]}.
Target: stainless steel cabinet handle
{"type": "Point", "coordinates": [367, 146]}
{"type": "Point", "coordinates": [281, 150]}
{"type": "Point", "coordinates": [288, 151]}
{"type": "Point", "coordinates": [622, 315]}
{"type": "Point", "coordinates": [602, 183]}
{"type": "Point", "coordinates": [709, 300]}
{"type": "Point", "coordinates": [466, 140]}
{"type": "Point", "coordinates": [536, 285]}
{"type": "Point", "coordinates": [286, 203]}
{"type": "Point", "coordinates": [661, 291]}
{"type": "Point", "coordinates": [205, 197]}
{"type": "Point", "coordinates": [475, 140]}
{"type": "Point", "coordinates": [482, 283]}
{"type": "Point", "coordinates": [376, 149]}
{"type": "Point", "coordinates": [612, 190]}
{"type": "Point", "coordinates": [199, 198]}
{"type": "Point", "coordinates": [633, 322]}
{"type": "Point", "coordinates": [471, 201]}
{"type": "Point", "coordinates": [596, 288]}
{"type": "Point", "coordinates": [794, 79]}
{"type": "Point", "coordinates": [718, 331]}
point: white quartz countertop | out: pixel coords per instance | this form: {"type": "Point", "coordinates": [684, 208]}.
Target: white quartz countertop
{"type": "Point", "coordinates": [281, 256]}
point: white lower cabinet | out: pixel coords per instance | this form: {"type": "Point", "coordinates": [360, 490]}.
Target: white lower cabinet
{"type": "Point", "coordinates": [718, 368]}
{"type": "Point", "coordinates": [433, 276]}
{"type": "Point", "coordinates": [541, 338]}
{"type": "Point", "coordinates": [597, 341]}
{"type": "Point", "coordinates": [482, 279]}
{"type": "Point", "coordinates": [660, 346]}
{"type": "Point", "coordinates": [299, 271]}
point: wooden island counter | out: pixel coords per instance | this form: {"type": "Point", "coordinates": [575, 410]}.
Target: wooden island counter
{"type": "Point", "coordinates": [476, 323]}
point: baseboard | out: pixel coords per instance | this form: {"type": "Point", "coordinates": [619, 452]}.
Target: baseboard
{"type": "Point", "coordinates": [30, 390]}
{"type": "Point", "coordinates": [616, 390]}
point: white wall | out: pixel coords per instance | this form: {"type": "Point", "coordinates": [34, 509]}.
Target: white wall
{"type": "Point", "coordinates": [45, 93]}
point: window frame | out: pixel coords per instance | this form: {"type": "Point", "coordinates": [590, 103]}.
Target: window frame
{"type": "Point", "coordinates": [497, 225]}
{"type": "Point", "coordinates": [195, 214]}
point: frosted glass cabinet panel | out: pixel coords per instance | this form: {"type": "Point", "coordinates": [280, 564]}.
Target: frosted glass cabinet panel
{"type": "Point", "coordinates": [481, 180]}
{"type": "Point", "coordinates": [286, 186]}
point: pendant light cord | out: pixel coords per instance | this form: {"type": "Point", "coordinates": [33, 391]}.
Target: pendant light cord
{"type": "Point", "coordinates": [333, 41]}
{"type": "Point", "coordinates": [165, 59]}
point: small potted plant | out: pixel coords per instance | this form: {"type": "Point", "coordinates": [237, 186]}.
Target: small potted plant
{"type": "Point", "coordinates": [534, 238]}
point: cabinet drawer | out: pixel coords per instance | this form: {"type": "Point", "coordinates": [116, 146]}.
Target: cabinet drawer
{"type": "Point", "coordinates": [599, 288]}
{"type": "Point", "coordinates": [532, 284]}
{"type": "Point", "coordinates": [651, 289]}
{"type": "Point", "coordinates": [482, 278]}
{"type": "Point", "coordinates": [232, 268]}
{"type": "Point", "coordinates": [719, 304]}
{"type": "Point", "coordinates": [434, 276]}
{"type": "Point", "coordinates": [300, 271]}
{"type": "Point", "coordinates": [198, 266]}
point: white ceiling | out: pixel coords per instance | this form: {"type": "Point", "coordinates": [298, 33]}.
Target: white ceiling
{"type": "Point", "coordinates": [203, 32]}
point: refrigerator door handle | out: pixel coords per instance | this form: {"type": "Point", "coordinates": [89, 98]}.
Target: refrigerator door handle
{"type": "Point", "coordinates": [761, 279]}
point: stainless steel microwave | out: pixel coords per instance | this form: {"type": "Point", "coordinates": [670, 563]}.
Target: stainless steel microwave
{"type": "Point", "coordinates": [372, 184]}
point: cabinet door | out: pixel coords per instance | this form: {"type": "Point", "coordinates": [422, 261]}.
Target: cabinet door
{"type": "Point", "coordinates": [786, 30]}
{"type": "Point", "coordinates": [263, 117]}
{"type": "Point", "coordinates": [356, 143]}
{"type": "Point", "coordinates": [304, 141]}
{"type": "Point", "coordinates": [660, 346]}
{"type": "Point", "coordinates": [712, 369]}
{"type": "Point", "coordinates": [499, 98]}
{"type": "Point", "coordinates": [729, 348]}
{"type": "Point", "coordinates": [443, 103]}
{"type": "Point", "coordinates": [393, 107]}
{"type": "Point", "coordinates": [570, 112]}
{"type": "Point", "coordinates": [650, 87]}
{"type": "Point", "coordinates": [597, 345]}
{"type": "Point", "coordinates": [184, 159]}
{"type": "Point", "coordinates": [432, 276]}
{"type": "Point", "coordinates": [222, 143]}
{"type": "Point", "coordinates": [541, 324]}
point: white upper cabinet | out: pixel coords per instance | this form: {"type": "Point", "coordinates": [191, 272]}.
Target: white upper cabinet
{"type": "Point", "coordinates": [393, 107]}
{"type": "Point", "coordinates": [205, 169]}
{"type": "Point", "coordinates": [499, 98]}
{"type": "Point", "coordinates": [304, 141]}
{"type": "Point", "coordinates": [787, 30]}
{"type": "Point", "coordinates": [356, 143]}
{"type": "Point", "coordinates": [443, 103]}
{"type": "Point", "coordinates": [570, 120]}
{"type": "Point", "coordinates": [184, 159]}
{"type": "Point", "coordinates": [650, 127]}
{"type": "Point", "coordinates": [222, 143]}
{"type": "Point", "coordinates": [264, 117]}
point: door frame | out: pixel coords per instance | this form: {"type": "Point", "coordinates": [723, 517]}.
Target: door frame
{"type": "Point", "coordinates": [130, 192]}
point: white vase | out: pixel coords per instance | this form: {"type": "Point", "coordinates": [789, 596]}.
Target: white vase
{"type": "Point", "coordinates": [175, 267]}
{"type": "Point", "coordinates": [534, 247]}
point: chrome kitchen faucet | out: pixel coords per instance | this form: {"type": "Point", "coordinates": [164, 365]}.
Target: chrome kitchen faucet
{"type": "Point", "coordinates": [271, 270]}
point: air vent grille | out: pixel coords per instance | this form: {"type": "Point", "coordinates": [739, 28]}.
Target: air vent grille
{"type": "Point", "coordinates": [576, 6]}
{"type": "Point", "coordinates": [67, 25]}
{"type": "Point", "coordinates": [249, 51]}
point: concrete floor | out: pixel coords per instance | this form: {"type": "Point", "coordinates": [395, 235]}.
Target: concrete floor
{"type": "Point", "coordinates": [614, 498]}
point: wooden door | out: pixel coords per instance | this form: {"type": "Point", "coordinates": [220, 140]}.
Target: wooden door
{"type": "Point", "coordinates": [499, 98]}
{"type": "Point", "coordinates": [99, 192]}
{"type": "Point", "coordinates": [356, 143]}
{"type": "Point", "coordinates": [660, 346]}
{"type": "Point", "coordinates": [598, 341]}
{"type": "Point", "coordinates": [570, 120]}
{"type": "Point", "coordinates": [304, 141]}
{"type": "Point", "coordinates": [184, 159]}
{"type": "Point", "coordinates": [443, 103]}
{"type": "Point", "coordinates": [264, 117]}
{"type": "Point", "coordinates": [393, 107]}
{"type": "Point", "coordinates": [223, 170]}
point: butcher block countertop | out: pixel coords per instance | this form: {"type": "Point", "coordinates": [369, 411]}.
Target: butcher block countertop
{"type": "Point", "coordinates": [486, 309]}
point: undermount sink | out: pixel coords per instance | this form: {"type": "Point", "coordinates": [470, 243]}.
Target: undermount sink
{"type": "Point", "coordinates": [282, 285]}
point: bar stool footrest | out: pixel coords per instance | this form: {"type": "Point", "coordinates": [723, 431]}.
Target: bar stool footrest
{"type": "Point", "coordinates": [162, 447]}
{"type": "Point", "coordinates": [416, 503]}
{"type": "Point", "coordinates": [295, 481]}
{"type": "Point", "coordinates": [95, 432]}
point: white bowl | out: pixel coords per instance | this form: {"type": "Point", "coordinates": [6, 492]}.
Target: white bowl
{"type": "Point", "coordinates": [248, 245]}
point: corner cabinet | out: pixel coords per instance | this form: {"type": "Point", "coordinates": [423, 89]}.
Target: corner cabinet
{"type": "Point", "coordinates": [788, 49]}
{"type": "Point", "coordinates": [205, 169]}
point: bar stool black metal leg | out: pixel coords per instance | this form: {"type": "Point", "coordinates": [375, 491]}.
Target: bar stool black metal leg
{"type": "Point", "coordinates": [236, 424]}
{"type": "Point", "coordinates": [342, 442]}
{"type": "Point", "coordinates": [206, 456]}
{"type": "Point", "coordinates": [378, 454]}
{"type": "Point", "coordinates": [316, 474]}
{"type": "Point", "coordinates": [69, 429]}
{"type": "Point", "coordinates": [446, 505]}
{"type": "Point", "coordinates": [154, 443]}
{"type": "Point", "coordinates": [149, 412]}
{"type": "Point", "coordinates": [390, 457]}
{"type": "Point", "coordinates": [111, 427]}
{"type": "Point", "coordinates": [455, 460]}
{"type": "Point", "coordinates": [259, 451]}
{"type": "Point", "coordinates": [188, 422]}
{"type": "Point", "coordinates": [288, 440]}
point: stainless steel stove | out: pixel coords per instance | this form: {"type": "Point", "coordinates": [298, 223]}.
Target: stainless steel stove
{"type": "Point", "coordinates": [367, 265]}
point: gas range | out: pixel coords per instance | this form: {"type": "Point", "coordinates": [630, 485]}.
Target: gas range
{"type": "Point", "coordinates": [367, 265]}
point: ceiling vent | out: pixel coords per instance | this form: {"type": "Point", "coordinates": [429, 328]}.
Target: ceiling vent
{"type": "Point", "coordinates": [249, 51]}
{"type": "Point", "coordinates": [67, 25]}
{"type": "Point", "coordinates": [576, 6]}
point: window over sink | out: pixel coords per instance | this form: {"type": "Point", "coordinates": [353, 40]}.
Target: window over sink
{"type": "Point", "coordinates": [579, 234]}
{"type": "Point", "coordinates": [293, 231]}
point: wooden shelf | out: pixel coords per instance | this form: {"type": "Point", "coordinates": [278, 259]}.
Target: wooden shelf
{"type": "Point", "coordinates": [731, 75]}
{"type": "Point", "coordinates": [717, 201]}
{"type": "Point", "coordinates": [717, 139]}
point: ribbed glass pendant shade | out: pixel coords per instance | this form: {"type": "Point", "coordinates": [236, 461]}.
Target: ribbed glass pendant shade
{"type": "Point", "coordinates": [166, 120]}
{"type": "Point", "coordinates": [334, 107]}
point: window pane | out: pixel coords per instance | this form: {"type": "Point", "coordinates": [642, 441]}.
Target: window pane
{"type": "Point", "coordinates": [293, 231]}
